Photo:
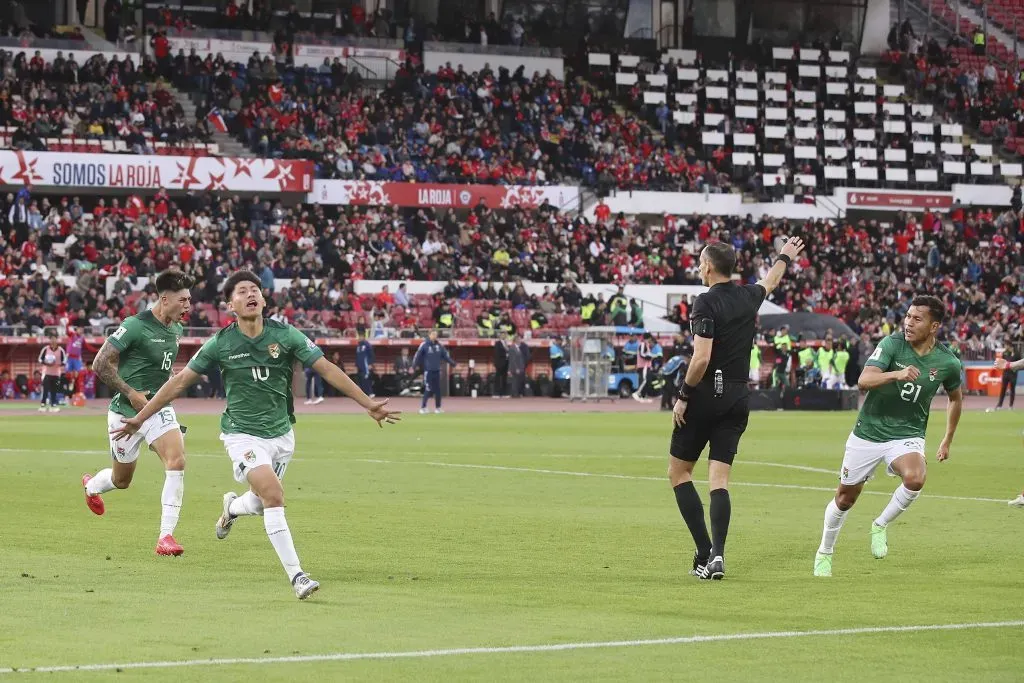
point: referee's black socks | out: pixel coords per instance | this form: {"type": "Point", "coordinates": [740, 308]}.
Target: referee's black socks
{"type": "Point", "coordinates": [692, 511]}
{"type": "Point", "coordinates": [721, 511]}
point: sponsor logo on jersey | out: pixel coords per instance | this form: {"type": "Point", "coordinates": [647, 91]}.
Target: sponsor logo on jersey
{"type": "Point", "coordinates": [274, 350]}
{"type": "Point", "coordinates": [846, 473]}
{"type": "Point", "coordinates": [158, 341]}
{"type": "Point", "coordinates": [238, 355]}
{"type": "Point", "coordinates": [933, 374]}
{"type": "Point", "coordinates": [249, 457]}
{"type": "Point", "coordinates": [899, 364]}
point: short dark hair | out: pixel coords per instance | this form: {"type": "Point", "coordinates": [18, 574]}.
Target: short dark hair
{"type": "Point", "coordinates": [173, 280]}
{"type": "Point", "coordinates": [722, 258]}
{"type": "Point", "coordinates": [936, 309]}
{"type": "Point", "coordinates": [237, 278]}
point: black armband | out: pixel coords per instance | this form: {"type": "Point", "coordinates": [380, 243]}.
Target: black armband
{"type": "Point", "coordinates": [785, 259]}
{"type": "Point", "coordinates": [685, 390]}
{"type": "Point", "coordinates": [703, 327]}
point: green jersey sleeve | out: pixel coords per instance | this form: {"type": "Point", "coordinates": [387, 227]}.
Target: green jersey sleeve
{"type": "Point", "coordinates": [125, 335]}
{"type": "Point", "coordinates": [304, 348]}
{"type": "Point", "coordinates": [955, 373]}
{"type": "Point", "coordinates": [882, 357]}
{"type": "Point", "coordinates": [206, 357]}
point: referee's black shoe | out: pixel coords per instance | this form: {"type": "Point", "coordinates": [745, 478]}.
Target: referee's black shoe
{"type": "Point", "coordinates": [714, 570]}
{"type": "Point", "coordinates": [698, 565]}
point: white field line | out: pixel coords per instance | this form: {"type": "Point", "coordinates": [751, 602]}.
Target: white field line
{"type": "Point", "coordinates": [515, 649]}
{"type": "Point", "coordinates": [446, 453]}
{"type": "Point", "coordinates": [569, 473]}
{"type": "Point", "coordinates": [796, 487]}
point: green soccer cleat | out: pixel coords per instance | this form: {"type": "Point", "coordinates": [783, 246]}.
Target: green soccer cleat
{"type": "Point", "coordinates": [879, 543]}
{"type": "Point", "coordinates": [822, 564]}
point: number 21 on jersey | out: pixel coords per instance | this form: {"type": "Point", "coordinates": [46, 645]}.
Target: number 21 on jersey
{"type": "Point", "coordinates": [910, 392]}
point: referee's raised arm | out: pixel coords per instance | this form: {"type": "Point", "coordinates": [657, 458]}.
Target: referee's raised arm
{"type": "Point", "coordinates": [790, 250]}
{"type": "Point", "coordinates": [712, 406]}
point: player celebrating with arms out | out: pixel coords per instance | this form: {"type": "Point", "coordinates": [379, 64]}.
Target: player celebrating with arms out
{"type": "Point", "coordinates": [1015, 366]}
{"type": "Point", "coordinates": [256, 358]}
{"type": "Point", "coordinates": [901, 378]}
{"type": "Point", "coordinates": [135, 361]}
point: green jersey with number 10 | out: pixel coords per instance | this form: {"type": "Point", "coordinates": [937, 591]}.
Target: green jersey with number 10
{"type": "Point", "coordinates": [147, 351]}
{"type": "Point", "coordinates": [257, 376]}
{"type": "Point", "coordinates": [899, 410]}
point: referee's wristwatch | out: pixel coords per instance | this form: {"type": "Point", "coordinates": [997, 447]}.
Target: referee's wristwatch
{"type": "Point", "coordinates": [785, 259]}
{"type": "Point", "coordinates": [685, 391]}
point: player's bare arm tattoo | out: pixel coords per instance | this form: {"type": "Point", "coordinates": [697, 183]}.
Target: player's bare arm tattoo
{"type": "Point", "coordinates": [105, 367]}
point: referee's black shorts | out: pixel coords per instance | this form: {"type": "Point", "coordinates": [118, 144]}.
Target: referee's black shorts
{"type": "Point", "coordinates": [719, 422]}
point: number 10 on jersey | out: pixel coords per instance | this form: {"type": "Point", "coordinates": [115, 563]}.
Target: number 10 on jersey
{"type": "Point", "coordinates": [910, 392]}
{"type": "Point", "coordinates": [260, 374]}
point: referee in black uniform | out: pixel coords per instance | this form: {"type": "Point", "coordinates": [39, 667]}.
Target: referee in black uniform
{"type": "Point", "coordinates": [712, 404]}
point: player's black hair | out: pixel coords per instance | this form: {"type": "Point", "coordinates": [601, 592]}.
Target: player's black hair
{"type": "Point", "coordinates": [238, 277]}
{"type": "Point", "coordinates": [172, 280]}
{"type": "Point", "coordinates": [936, 309]}
{"type": "Point", "coordinates": [722, 258]}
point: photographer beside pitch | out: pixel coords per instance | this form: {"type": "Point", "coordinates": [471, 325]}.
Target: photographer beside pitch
{"type": "Point", "coordinates": [712, 406]}
{"type": "Point", "coordinates": [256, 357]}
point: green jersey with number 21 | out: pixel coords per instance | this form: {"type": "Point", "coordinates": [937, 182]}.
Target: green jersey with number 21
{"type": "Point", "coordinates": [257, 376]}
{"type": "Point", "coordinates": [147, 351]}
{"type": "Point", "coordinates": [899, 410]}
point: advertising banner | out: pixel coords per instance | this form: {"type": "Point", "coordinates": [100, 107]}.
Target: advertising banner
{"type": "Point", "coordinates": [871, 199]}
{"type": "Point", "coordinates": [416, 195]}
{"type": "Point", "coordinates": [142, 172]}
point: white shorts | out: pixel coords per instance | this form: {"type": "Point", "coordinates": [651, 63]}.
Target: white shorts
{"type": "Point", "coordinates": [127, 450]}
{"type": "Point", "coordinates": [755, 375]}
{"type": "Point", "coordinates": [862, 457]}
{"type": "Point", "coordinates": [247, 451]}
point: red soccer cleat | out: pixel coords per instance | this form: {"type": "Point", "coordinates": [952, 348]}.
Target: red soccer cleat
{"type": "Point", "coordinates": [95, 503]}
{"type": "Point", "coordinates": [168, 546]}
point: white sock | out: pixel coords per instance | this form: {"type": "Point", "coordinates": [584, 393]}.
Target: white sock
{"type": "Point", "coordinates": [834, 518]}
{"type": "Point", "coordinates": [170, 501]}
{"type": "Point", "coordinates": [101, 483]}
{"type": "Point", "coordinates": [901, 499]}
{"type": "Point", "coordinates": [281, 538]}
{"type": "Point", "coordinates": [246, 504]}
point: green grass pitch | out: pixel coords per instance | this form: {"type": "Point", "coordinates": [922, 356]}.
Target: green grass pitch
{"type": "Point", "coordinates": [473, 531]}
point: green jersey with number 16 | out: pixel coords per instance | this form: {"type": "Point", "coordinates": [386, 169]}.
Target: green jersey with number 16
{"type": "Point", "coordinates": [147, 350]}
{"type": "Point", "coordinates": [257, 376]}
{"type": "Point", "coordinates": [899, 410]}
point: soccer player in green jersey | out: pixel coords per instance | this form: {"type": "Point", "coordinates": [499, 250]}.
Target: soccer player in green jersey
{"type": "Point", "coordinates": [256, 358]}
{"type": "Point", "coordinates": [135, 361]}
{"type": "Point", "coordinates": [1015, 366]}
{"type": "Point", "coordinates": [901, 378]}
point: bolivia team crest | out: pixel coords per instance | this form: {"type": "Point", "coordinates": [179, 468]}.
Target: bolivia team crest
{"type": "Point", "coordinates": [249, 457]}
{"type": "Point", "coordinates": [933, 373]}
{"type": "Point", "coordinates": [274, 350]}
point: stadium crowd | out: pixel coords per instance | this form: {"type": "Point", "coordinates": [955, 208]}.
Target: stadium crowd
{"type": "Point", "coordinates": [862, 272]}
{"type": "Point", "coordinates": [94, 100]}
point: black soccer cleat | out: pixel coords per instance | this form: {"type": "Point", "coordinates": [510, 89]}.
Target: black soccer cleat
{"type": "Point", "coordinates": [714, 570]}
{"type": "Point", "coordinates": [698, 565]}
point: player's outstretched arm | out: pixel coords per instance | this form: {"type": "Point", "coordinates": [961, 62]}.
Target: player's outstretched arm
{"type": "Point", "coordinates": [1002, 364]}
{"type": "Point", "coordinates": [953, 410]}
{"type": "Point", "coordinates": [172, 389]}
{"type": "Point", "coordinates": [872, 377]}
{"type": "Point", "coordinates": [333, 375]}
{"type": "Point", "coordinates": [792, 249]}
{"type": "Point", "coordinates": [105, 366]}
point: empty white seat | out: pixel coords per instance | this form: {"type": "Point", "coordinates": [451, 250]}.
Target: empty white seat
{"type": "Point", "coordinates": [894, 90]}
{"type": "Point", "coordinates": [900, 175]}
{"type": "Point", "coordinates": [651, 97]}
{"type": "Point", "coordinates": [897, 126]}
{"type": "Point", "coordinates": [835, 153]}
{"type": "Point", "coordinates": [717, 93]}
{"type": "Point", "coordinates": [742, 158]}
{"type": "Point", "coordinates": [836, 173]}
{"type": "Point", "coordinates": [686, 99]}
{"type": "Point", "coordinates": [687, 74]}
{"type": "Point", "coordinates": [684, 117]}
{"type": "Point", "coordinates": [926, 175]}
{"type": "Point", "coordinates": [865, 153]}
{"type": "Point", "coordinates": [896, 155]}
{"type": "Point", "coordinates": [775, 132]}
{"type": "Point", "coordinates": [744, 140]}
{"type": "Point", "coordinates": [953, 148]}
{"type": "Point", "coordinates": [629, 61]}
{"type": "Point", "coordinates": [775, 77]}
{"type": "Point", "coordinates": [805, 132]}
{"type": "Point", "coordinates": [746, 94]}
{"type": "Point", "coordinates": [715, 75]}
{"type": "Point", "coordinates": [622, 78]}
{"type": "Point", "coordinates": [923, 147]}
{"type": "Point", "coordinates": [982, 149]}
{"type": "Point", "coordinates": [865, 108]}
{"type": "Point", "coordinates": [599, 59]}
{"type": "Point", "coordinates": [806, 179]}
{"type": "Point", "coordinates": [864, 134]}
{"type": "Point", "coordinates": [713, 138]}
{"type": "Point", "coordinates": [981, 168]}
{"type": "Point", "coordinates": [809, 71]}
{"type": "Point", "coordinates": [954, 167]}
{"type": "Point", "coordinates": [1012, 170]}
{"type": "Point", "coordinates": [865, 173]}
{"type": "Point", "coordinates": [805, 152]}
{"type": "Point", "coordinates": [774, 160]}
{"type": "Point", "coordinates": [713, 119]}
{"type": "Point", "coordinates": [657, 80]}
{"type": "Point", "coordinates": [867, 72]}
{"type": "Point", "coordinates": [745, 111]}
{"type": "Point", "coordinates": [837, 115]}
